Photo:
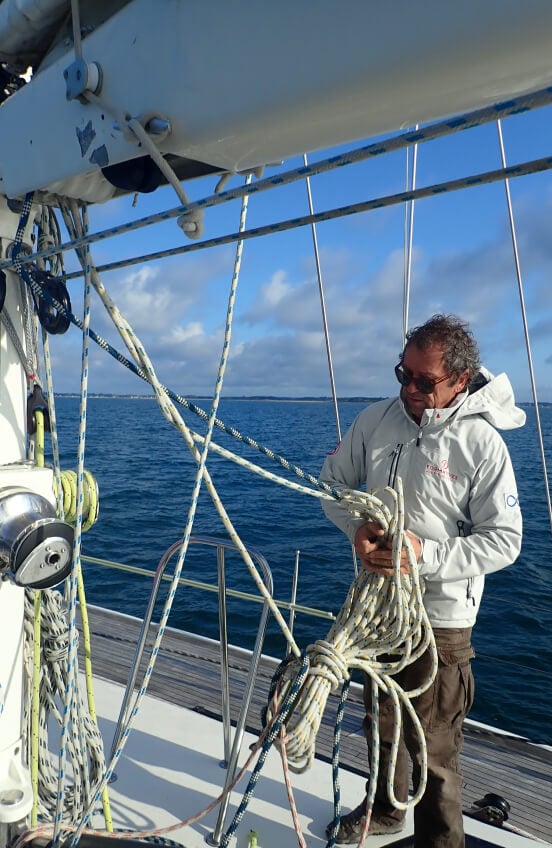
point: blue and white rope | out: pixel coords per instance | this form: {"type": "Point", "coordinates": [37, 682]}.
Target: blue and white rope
{"type": "Point", "coordinates": [144, 373]}
{"type": "Point", "coordinates": [335, 761]}
{"type": "Point", "coordinates": [479, 179]}
{"type": "Point", "coordinates": [72, 702]}
{"type": "Point", "coordinates": [278, 722]}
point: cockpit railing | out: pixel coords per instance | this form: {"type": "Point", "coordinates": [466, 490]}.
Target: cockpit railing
{"type": "Point", "coordinates": [231, 749]}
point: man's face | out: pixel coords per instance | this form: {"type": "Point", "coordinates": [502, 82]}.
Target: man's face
{"type": "Point", "coordinates": [428, 363]}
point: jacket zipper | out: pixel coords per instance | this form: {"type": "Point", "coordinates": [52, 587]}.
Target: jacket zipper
{"type": "Point", "coordinates": [469, 589]}
{"type": "Point", "coordinates": [395, 455]}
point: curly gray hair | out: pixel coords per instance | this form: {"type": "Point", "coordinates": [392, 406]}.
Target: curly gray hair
{"type": "Point", "coordinates": [460, 350]}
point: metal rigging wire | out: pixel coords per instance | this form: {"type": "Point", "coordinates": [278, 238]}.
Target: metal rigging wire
{"type": "Point", "coordinates": [524, 319]}
{"type": "Point", "coordinates": [323, 304]}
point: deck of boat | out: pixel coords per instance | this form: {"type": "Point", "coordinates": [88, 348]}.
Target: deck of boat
{"type": "Point", "coordinates": [187, 674]}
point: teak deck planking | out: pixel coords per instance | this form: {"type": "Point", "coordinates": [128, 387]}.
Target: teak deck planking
{"type": "Point", "coordinates": [187, 673]}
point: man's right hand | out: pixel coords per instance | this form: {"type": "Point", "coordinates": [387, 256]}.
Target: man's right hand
{"type": "Point", "coordinates": [368, 538]}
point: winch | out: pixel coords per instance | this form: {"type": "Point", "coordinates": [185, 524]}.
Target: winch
{"type": "Point", "coordinates": [35, 545]}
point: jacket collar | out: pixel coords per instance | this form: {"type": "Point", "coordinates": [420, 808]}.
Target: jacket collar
{"type": "Point", "coordinates": [436, 417]}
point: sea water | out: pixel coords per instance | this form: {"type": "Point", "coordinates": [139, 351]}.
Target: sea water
{"type": "Point", "coordinates": [145, 474]}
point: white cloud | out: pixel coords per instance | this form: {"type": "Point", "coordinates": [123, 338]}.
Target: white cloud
{"type": "Point", "coordinates": [193, 331]}
{"type": "Point", "coordinates": [275, 291]}
{"type": "Point", "coordinates": [178, 308]}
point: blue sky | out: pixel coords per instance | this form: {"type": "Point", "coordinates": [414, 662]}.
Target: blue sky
{"type": "Point", "coordinates": [462, 263]}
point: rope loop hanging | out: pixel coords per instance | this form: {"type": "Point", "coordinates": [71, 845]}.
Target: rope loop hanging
{"type": "Point", "coordinates": [381, 628]}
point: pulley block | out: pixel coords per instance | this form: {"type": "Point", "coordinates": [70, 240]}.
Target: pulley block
{"type": "Point", "coordinates": [36, 402]}
{"type": "Point", "coordinates": [491, 809]}
{"type": "Point", "coordinates": [53, 320]}
{"type": "Point", "coordinates": [2, 290]}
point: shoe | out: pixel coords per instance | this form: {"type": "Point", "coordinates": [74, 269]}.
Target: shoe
{"type": "Point", "coordinates": [351, 826]}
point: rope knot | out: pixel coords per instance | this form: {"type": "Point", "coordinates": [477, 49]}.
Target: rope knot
{"type": "Point", "coordinates": [328, 662]}
{"type": "Point", "coordinates": [56, 645]}
{"type": "Point", "coordinates": [191, 223]}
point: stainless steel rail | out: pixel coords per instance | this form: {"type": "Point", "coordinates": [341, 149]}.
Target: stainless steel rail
{"type": "Point", "coordinates": [231, 751]}
{"type": "Point", "coordinates": [208, 587]}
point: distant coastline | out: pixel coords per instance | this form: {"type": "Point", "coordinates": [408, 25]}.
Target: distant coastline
{"type": "Point", "coordinates": [272, 398]}
{"type": "Point", "coordinates": [303, 399]}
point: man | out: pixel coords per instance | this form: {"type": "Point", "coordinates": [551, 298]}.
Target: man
{"type": "Point", "coordinates": [463, 519]}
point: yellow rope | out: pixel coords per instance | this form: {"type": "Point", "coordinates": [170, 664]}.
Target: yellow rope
{"type": "Point", "coordinates": [39, 438]}
{"type": "Point", "coordinates": [35, 710]}
{"type": "Point", "coordinates": [90, 498]}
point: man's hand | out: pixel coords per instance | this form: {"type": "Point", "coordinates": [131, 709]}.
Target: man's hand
{"type": "Point", "coordinates": [368, 538]}
{"type": "Point", "coordinates": [375, 552]}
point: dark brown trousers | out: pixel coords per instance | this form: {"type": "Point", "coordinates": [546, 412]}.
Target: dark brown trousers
{"type": "Point", "coordinates": [441, 709]}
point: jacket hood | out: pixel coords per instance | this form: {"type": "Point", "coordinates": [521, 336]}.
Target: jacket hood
{"type": "Point", "coordinates": [493, 398]}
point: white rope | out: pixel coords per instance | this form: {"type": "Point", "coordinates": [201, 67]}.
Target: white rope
{"type": "Point", "coordinates": [381, 615]}
{"type": "Point", "coordinates": [86, 762]}
{"type": "Point", "coordinates": [191, 222]}
{"type": "Point", "coordinates": [72, 716]}
{"type": "Point", "coordinates": [171, 413]}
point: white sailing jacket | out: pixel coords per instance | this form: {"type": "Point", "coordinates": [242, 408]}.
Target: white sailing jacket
{"type": "Point", "coordinates": [460, 492]}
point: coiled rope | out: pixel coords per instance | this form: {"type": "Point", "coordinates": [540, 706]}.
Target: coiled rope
{"type": "Point", "coordinates": [87, 762]}
{"type": "Point", "coordinates": [90, 498]}
{"type": "Point", "coordinates": [380, 616]}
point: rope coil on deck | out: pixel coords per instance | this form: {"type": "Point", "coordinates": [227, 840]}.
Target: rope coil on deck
{"type": "Point", "coordinates": [86, 760]}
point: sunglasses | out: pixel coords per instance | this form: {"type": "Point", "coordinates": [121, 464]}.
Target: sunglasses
{"type": "Point", "coordinates": [425, 385]}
